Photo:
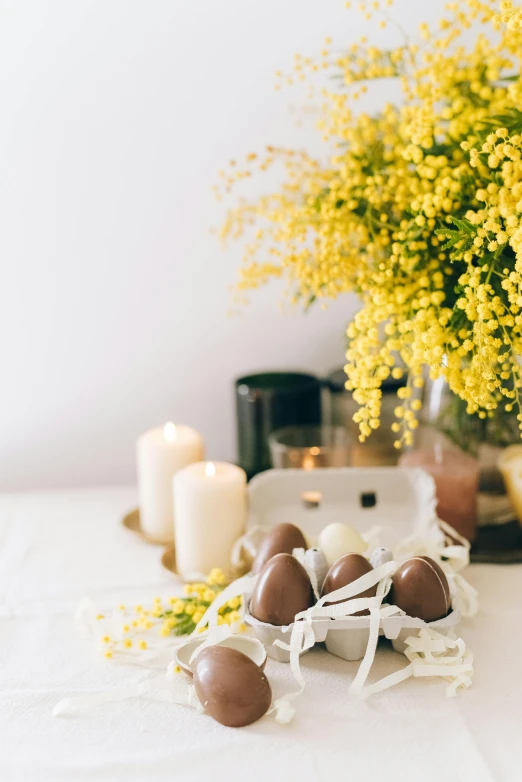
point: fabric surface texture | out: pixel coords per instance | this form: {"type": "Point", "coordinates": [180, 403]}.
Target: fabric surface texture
{"type": "Point", "coordinates": [56, 548]}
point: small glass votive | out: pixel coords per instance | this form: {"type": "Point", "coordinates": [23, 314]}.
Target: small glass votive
{"type": "Point", "coordinates": [309, 447]}
{"type": "Point", "coordinates": [456, 476]}
{"type": "Point", "coordinates": [378, 450]}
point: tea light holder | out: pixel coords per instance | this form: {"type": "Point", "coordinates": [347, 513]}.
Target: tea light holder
{"type": "Point", "coordinates": [310, 447]}
{"type": "Point", "coordinates": [311, 499]}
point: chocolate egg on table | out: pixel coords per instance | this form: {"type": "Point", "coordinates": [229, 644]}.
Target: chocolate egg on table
{"type": "Point", "coordinates": [282, 590]}
{"type": "Point", "coordinates": [348, 568]}
{"type": "Point", "coordinates": [338, 539]}
{"type": "Point", "coordinates": [231, 687]}
{"type": "Point", "coordinates": [282, 539]}
{"type": "Point", "coordinates": [421, 589]}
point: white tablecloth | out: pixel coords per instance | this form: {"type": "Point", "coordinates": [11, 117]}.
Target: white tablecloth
{"type": "Point", "coordinates": [57, 548]}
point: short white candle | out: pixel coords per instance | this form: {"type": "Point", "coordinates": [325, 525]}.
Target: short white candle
{"type": "Point", "coordinates": [161, 452]}
{"type": "Point", "coordinates": [210, 508]}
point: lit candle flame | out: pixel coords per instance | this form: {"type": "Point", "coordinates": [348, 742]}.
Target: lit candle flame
{"type": "Point", "coordinates": [170, 432]}
{"type": "Point", "coordinates": [210, 469]}
{"type": "Point", "coordinates": [312, 499]}
{"type": "Point", "coordinates": [308, 462]}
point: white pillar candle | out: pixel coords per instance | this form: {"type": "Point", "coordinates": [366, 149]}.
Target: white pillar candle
{"type": "Point", "coordinates": [210, 508]}
{"type": "Point", "coordinates": [161, 452]}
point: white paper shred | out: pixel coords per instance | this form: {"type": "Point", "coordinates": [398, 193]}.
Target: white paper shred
{"type": "Point", "coordinates": [241, 586]}
{"type": "Point", "coordinates": [246, 547]}
{"type": "Point", "coordinates": [432, 654]}
{"type": "Point", "coordinates": [445, 545]}
{"type": "Point", "coordinates": [302, 633]}
{"type": "Point", "coordinates": [428, 653]}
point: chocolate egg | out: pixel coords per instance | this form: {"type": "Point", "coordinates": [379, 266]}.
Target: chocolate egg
{"type": "Point", "coordinates": [282, 539]}
{"type": "Point", "coordinates": [421, 589]}
{"type": "Point", "coordinates": [282, 590]}
{"type": "Point", "coordinates": [231, 687]}
{"type": "Point", "coordinates": [348, 568]}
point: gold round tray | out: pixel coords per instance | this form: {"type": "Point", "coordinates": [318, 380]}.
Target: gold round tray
{"type": "Point", "coordinates": [168, 560]}
{"type": "Point", "coordinates": [132, 522]}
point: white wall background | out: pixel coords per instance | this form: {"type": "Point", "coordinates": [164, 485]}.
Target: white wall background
{"type": "Point", "coordinates": [116, 116]}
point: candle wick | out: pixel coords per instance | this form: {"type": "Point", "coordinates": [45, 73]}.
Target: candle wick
{"type": "Point", "coordinates": [170, 432]}
{"type": "Point", "coordinates": [210, 469]}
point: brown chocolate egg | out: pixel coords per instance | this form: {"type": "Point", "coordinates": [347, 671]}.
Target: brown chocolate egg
{"type": "Point", "coordinates": [282, 590]}
{"type": "Point", "coordinates": [421, 589]}
{"type": "Point", "coordinates": [231, 687]}
{"type": "Point", "coordinates": [348, 568]}
{"type": "Point", "coordinates": [282, 539]}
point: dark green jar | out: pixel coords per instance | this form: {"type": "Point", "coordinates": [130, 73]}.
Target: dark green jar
{"type": "Point", "coordinates": [268, 401]}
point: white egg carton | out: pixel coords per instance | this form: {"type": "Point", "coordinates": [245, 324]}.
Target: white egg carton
{"type": "Point", "coordinates": [402, 502]}
{"type": "Point", "coordinates": [347, 637]}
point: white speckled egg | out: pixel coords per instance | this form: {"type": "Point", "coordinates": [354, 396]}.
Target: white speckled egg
{"type": "Point", "coordinates": [339, 539]}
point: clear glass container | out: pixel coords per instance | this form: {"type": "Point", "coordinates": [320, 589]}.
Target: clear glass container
{"type": "Point", "coordinates": [444, 415]}
{"type": "Point", "coordinates": [309, 447]}
{"type": "Point", "coordinates": [378, 450]}
{"type": "Point", "coordinates": [445, 412]}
